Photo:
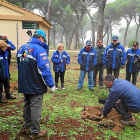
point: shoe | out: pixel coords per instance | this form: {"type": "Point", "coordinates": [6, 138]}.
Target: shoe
{"type": "Point", "coordinates": [78, 88]}
{"type": "Point", "coordinates": [42, 133]}
{"type": "Point", "coordinates": [91, 89]}
{"type": "Point", "coordinates": [3, 101]}
{"type": "Point", "coordinates": [25, 129]}
{"type": "Point", "coordinates": [56, 85]}
{"type": "Point", "coordinates": [11, 97]}
{"type": "Point", "coordinates": [62, 86]}
{"type": "Point", "coordinates": [131, 121]}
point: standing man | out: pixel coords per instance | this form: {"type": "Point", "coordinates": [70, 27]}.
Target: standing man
{"type": "Point", "coordinates": [10, 47]}
{"type": "Point", "coordinates": [124, 97]}
{"type": "Point", "coordinates": [34, 75]}
{"type": "Point", "coordinates": [87, 59]}
{"type": "Point", "coordinates": [132, 67]}
{"type": "Point", "coordinates": [99, 66]}
{"type": "Point", "coordinates": [114, 57]}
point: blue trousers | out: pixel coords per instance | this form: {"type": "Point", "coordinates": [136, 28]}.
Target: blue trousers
{"type": "Point", "coordinates": [90, 79]}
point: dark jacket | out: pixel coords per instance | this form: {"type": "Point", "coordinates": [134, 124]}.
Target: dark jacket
{"type": "Point", "coordinates": [4, 67]}
{"type": "Point", "coordinates": [126, 92]}
{"type": "Point", "coordinates": [57, 61]}
{"type": "Point", "coordinates": [34, 70]}
{"type": "Point", "coordinates": [12, 47]}
{"type": "Point", "coordinates": [100, 52]}
{"type": "Point", "coordinates": [114, 58]}
{"type": "Point", "coordinates": [132, 67]}
{"type": "Point", "coordinates": [87, 60]}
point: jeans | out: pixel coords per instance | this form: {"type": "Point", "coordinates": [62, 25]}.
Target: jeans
{"type": "Point", "coordinates": [90, 79]}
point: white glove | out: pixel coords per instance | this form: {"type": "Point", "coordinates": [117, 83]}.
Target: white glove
{"type": "Point", "coordinates": [53, 89]}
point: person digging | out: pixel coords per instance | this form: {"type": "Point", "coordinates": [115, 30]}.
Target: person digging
{"type": "Point", "coordinates": [124, 97]}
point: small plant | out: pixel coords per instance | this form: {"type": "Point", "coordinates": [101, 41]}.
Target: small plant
{"type": "Point", "coordinates": [103, 94]}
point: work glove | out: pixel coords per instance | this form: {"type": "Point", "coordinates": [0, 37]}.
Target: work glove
{"type": "Point", "coordinates": [104, 66]}
{"type": "Point", "coordinates": [53, 89]}
{"type": "Point", "coordinates": [122, 66]}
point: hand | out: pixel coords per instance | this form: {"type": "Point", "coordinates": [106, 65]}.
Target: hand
{"type": "Point", "coordinates": [61, 60]}
{"type": "Point", "coordinates": [102, 116]}
{"type": "Point", "coordinates": [122, 66]}
{"type": "Point", "coordinates": [53, 89]}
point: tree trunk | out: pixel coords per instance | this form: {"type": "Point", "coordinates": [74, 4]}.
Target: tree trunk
{"type": "Point", "coordinates": [126, 30]}
{"type": "Point", "coordinates": [111, 34]}
{"type": "Point", "coordinates": [107, 39]}
{"type": "Point", "coordinates": [54, 39]}
{"type": "Point", "coordinates": [49, 9]}
{"type": "Point", "coordinates": [137, 32]}
{"type": "Point", "coordinates": [101, 19]}
{"type": "Point", "coordinates": [93, 33]}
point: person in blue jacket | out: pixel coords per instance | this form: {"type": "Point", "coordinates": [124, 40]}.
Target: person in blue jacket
{"type": "Point", "coordinates": [87, 59]}
{"type": "Point", "coordinates": [114, 57]}
{"type": "Point", "coordinates": [60, 59]}
{"type": "Point", "coordinates": [4, 73]}
{"type": "Point", "coordinates": [34, 75]}
{"type": "Point", "coordinates": [124, 97]}
{"type": "Point", "coordinates": [132, 67]}
{"type": "Point", "coordinates": [10, 46]}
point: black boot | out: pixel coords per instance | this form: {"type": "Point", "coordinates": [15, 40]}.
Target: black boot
{"type": "Point", "coordinates": [9, 96]}
{"type": "Point", "coordinates": [56, 85]}
{"type": "Point", "coordinates": [62, 86]}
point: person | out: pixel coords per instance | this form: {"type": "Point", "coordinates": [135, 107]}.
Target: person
{"type": "Point", "coordinates": [124, 97]}
{"type": "Point", "coordinates": [132, 68]}
{"type": "Point", "coordinates": [10, 47]}
{"type": "Point", "coordinates": [114, 57]}
{"type": "Point", "coordinates": [60, 59]}
{"type": "Point", "coordinates": [87, 59]}
{"type": "Point", "coordinates": [4, 73]}
{"type": "Point", "coordinates": [99, 66]}
{"type": "Point", "coordinates": [34, 75]}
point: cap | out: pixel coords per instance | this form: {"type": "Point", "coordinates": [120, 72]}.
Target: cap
{"type": "Point", "coordinates": [136, 43]}
{"type": "Point", "coordinates": [41, 33]}
{"type": "Point", "coordinates": [88, 42]}
{"type": "Point", "coordinates": [115, 38]}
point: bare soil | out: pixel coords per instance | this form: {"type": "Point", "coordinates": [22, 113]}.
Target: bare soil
{"type": "Point", "coordinates": [93, 114]}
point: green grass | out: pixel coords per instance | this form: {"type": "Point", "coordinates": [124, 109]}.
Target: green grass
{"type": "Point", "coordinates": [62, 105]}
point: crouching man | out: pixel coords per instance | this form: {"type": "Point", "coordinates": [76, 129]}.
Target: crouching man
{"type": "Point", "coordinates": [124, 97]}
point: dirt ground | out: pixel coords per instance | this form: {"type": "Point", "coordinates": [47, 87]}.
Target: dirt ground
{"type": "Point", "coordinates": [93, 114]}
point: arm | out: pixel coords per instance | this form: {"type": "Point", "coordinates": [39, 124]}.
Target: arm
{"type": "Point", "coordinates": [54, 59]}
{"type": "Point", "coordinates": [95, 59]}
{"type": "Point", "coordinates": [104, 56]}
{"type": "Point", "coordinates": [68, 59]}
{"type": "Point", "coordinates": [110, 102]}
{"type": "Point", "coordinates": [123, 56]}
{"type": "Point", "coordinates": [45, 68]}
{"type": "Point", "coordinates": [12, 46]}
{"type": "Point", "coordinates": [80, 57]}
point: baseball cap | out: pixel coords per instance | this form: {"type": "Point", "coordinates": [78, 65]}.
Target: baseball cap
{"type": "Point", "coordinates": [88, 43]}
{"type": "Point", "coordinates": [115, 38]}
{"type": "Point", "coordinates": [41, 33]}
{"type": "Point", "coordinates": [135, 43]}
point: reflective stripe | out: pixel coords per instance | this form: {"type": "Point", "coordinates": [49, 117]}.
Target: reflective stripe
{"type": "Point", "coordinates": [19, 55]}
{"type": "Point", "coordinates": [109, 50]}
{"type": "Point", "coordinates": [119, 50]}
{"type": "Point", "coordinates": [30, 56]}
{"type": "Point", "coordinates": [1, 58]}
{"type": "Point", "coordinates": [41, 75]}
{"type": "Point", "coordinates": [64, 56]}
{"type": "Point", "coordinates": [84, 53]}
{"type": "Point", "coordinates": [91, 53]}
{"type": "Point", "coordinates": [131, 54]}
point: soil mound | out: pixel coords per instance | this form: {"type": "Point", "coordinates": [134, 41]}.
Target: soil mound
{"type": "Point", "coordinates": [93, 114]}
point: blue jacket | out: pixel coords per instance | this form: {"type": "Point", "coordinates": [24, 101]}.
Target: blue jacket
{"type": "Point", "coordinates": [87, 60]}
{"type": "Point", "coordinates": [132, 67]}
{"type": "Point", "coordinates": [46, 47]}
{"type": "Point", "coordinates": [126, 92]}
{"type": "Point", "coordinates": [4, 67]}
{"type": "Point", "coordinates": [56, 61]}
{"type": "Point", "coordinates": [114, 58]}
{"type": "Point", "coordinates": [34, 70]}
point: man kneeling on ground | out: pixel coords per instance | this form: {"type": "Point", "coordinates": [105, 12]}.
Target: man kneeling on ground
{"type": "Point", "coordinates": [124, 97]}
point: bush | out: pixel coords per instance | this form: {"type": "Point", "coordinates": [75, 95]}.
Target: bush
{"type": "Point", "coordinates": [103, 94]}
{"type": "Point", "coordinates": [130, 44]}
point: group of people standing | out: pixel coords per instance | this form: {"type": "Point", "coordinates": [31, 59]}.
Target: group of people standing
{"type": "Point", "coordinates": [113, 58]}
{"type": "Point", "coordinates": [34, 71]}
